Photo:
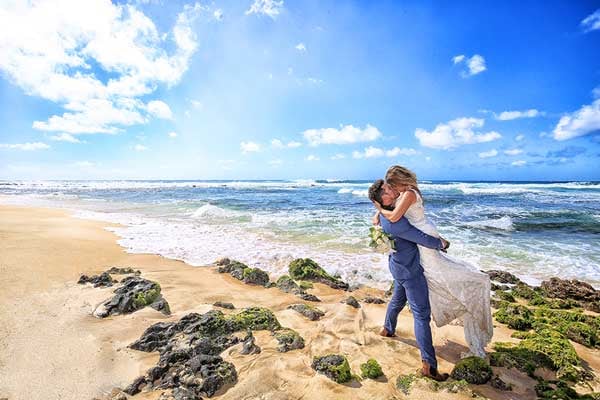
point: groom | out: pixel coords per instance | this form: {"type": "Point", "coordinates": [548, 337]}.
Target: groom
{"type": "Point", "coordinates": [409, 280]}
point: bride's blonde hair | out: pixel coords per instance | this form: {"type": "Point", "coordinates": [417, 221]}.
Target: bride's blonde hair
{"type": "Point", "coordinates": [397, 175]}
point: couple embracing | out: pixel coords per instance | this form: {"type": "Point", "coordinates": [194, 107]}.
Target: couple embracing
{"type": "Point", "coordinates": [433, 283]}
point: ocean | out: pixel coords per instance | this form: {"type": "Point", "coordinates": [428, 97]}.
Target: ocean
{"type": "Point", "coordinates": [533, 229]}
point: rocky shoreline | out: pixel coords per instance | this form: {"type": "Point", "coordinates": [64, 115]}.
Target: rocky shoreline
{"type": "Point", "coordinates": [545, 319]}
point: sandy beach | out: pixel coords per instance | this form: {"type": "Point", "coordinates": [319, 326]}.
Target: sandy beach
{"type": "Point", "coordinates": [51, 347]}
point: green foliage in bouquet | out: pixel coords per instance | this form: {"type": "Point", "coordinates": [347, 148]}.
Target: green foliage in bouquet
{"type": "Point", "coordinates": [380, 238]}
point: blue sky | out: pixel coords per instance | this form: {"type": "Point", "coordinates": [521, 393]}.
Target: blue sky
{"type": "Point", "coordinates": [258, 89]}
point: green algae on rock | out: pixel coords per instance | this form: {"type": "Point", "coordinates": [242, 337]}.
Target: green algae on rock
{"type": "Point", "coordinates": [309, 312]}
{"type": "Point", "coordinates": [288, 340]}
{"type": "Point", "coordinates": [473, 370]}
{"type": "Point", "coordinates": [371, 369]}
{"type": "Point", "coordinates": [578, 327]}
{"type": "Point", "coordinates": [404, 382]}
{"type": "Point", "coordinates": [334, 366]}
{"type": "Point", "coordinates": [505, 296]}
{"type": "Point", "coordinates": [515, 316]}
{"type": "Point", "coordinates": [255, 318]}
{"type": "Point", "coordinates": [308, 270]}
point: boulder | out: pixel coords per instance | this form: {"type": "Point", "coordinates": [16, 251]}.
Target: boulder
{"type": "Point", "coordinates": [502, 276]}
{"type": "Point", "coordinates": [249, 346]}
{"type": "Point", "coordinates": [309, 312]}
{"type": "Point", "coordinates": [221, 304]}
{"type": "Point", "coordinates": [333, 366]}
{"type": "Point", "coordinates": [288, 340]}
{"type": "Point", "coordinates": [308, 270]}
{"type": "Point", "coordinates": [134, 294]}
{"type": "Point", "coordinates": [351, 301]}
{"type": "Point", "coordinates": [474, 370]}
{"type": "Point", "coordinates": [373, 300]}
{"type": "Point", "coordinates": [102, 280]}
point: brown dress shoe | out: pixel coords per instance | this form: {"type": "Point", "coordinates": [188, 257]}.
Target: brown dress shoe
{"type": "Point", "coordinates": [433, 373]}
{"type": "Point", "coordinates": [384, 332]}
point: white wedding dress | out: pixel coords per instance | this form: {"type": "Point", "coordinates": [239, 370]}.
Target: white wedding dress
{"type": "Point", "coordinates": [457, 290]}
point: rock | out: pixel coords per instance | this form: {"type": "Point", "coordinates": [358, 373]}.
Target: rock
{"type": "Point", "coordinates": [136, 386]}
{"type": "Point", "coordinates": [123, 271]}
{"type": "Point", "coordinates": [189, 363]}
{"type": "Point", "coordinates": [249, 347]}
{"type": "Point", "coordinates": [134, 293]}
{"type": "Point", "coordinates": [524, 291]}
{"type": "Point", "coordinates": [504, 296]}
{"type": "Point", "coordinates": [308, 270]}
{"type": "Point", "coordinates": [371, 369]}
{"type": "Point", "coordinates": [573, 290]}
{"type": "Point", "coordinates": [499, 287]}
{"type": "Point", "coordinates": [221, 304]}
{"type": "Point", "coordinates": [161, 305]}
{"type": "Point", "coordinates": [102, 280]}
{"type": "Point", "coordinates": [404, 383]}
{"type": "Point", "coordinates": [502, 276]}
{"type": "Point", "coordinates": [255, 276]}
{"type": "Point", "coordinates": [390, 291]}
{"type": "Point", "coordinates": [499, 384]}
{"type": "Point", "coordinates": [308, 297]}
{"type": "Point", "coordinates": [309, 312]}
{"type": "Point", "coordinates": [515, 316]}
{"type": "Point", "coordinates": [304, 285]}
{"type": "Point", "coordinates": [223, 261]}
{"type": "Point", "coordinates": [334, 366]}
{"type": "Point", "coordinates": [287, 284]}
{"type": "Point", "coordinates": [474, 370]}
{"type": "Point", "coordinates": [351, 301]}
{"type": "Point", "coordinates": [373, 300]}
{"type": "Point", "coordinates": [577, 326]}
{"type": "Point", "coordinates": [288, 340]}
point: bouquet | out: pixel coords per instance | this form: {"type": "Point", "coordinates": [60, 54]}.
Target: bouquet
{"type": "Point", "coordinates": [381, 240]}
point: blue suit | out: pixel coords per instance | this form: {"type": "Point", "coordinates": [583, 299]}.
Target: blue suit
{"type": "Point", "coordinates": [410, 283]}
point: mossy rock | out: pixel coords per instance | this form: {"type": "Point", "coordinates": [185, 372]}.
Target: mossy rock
{"type": "Point", "coordinates": [305, 285]}
{"type": "Point", "coordinates": [450, 386]}
{"type": "Point", "coordinates": [371, 369]}
{"type": "Point", "coordinates": [545, 348]}
{"type": "Point", "coordinates": [287, 284]}
{"type": "Point", "coordinates": [309, 312]}
{"type": "Point", "coordinates": [334, 366]}
{"type": "Point", "coordinates": [308, 270]}
{"type": "Point", "coordinates": [473, 370]}
{"type": "Point", "coordinates": [551, 390]}
{"type": "Point", "coordinates": [524, 291]}
{"type": "Point", "coordinates": [578, 327]}
{"type": "Point", "coordinates": [143, 299]}
{"type": "Point", "coordinates": [505, 296]}
{"type": "Point", "coordinates": [255, 318]}
{"type": "Point", "coordinates": [404, 383]}
{"type": "Point", "coordinates": [288, 340]}
{"type": "Point", "coordinates": [255, 276]}
{"type": "Point", "coordinates": [515, 316]}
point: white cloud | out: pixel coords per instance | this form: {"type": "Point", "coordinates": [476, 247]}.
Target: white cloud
{"type": "Point", "coordinates": [427, 158]}
{"type": "Point", "coordinates": [272, 8]}
{"type": "Point", "coordinates": [218, 14]}
{"type": "Point", "coordinates": [472, 66]}
{"type": "Point", "coordinates": [249, 147]}
{"type": "Point", "coordinates": [455, 133]}
{"type": "Point", "coordinates": [519, 138]}
{"type": "Point", "coordinates": [345, 135]}
{"type": "Point", "coordinates": [278, 144]}
{"type": "Point", "coordinates": [338, 156]}
{"type": "Point", "coordinates": [140, 147]}
{"type": "Point", "coordinates": [312, 157]}
{"type": "Point", "coordinates": [301, 47]}
{"type": "Point", "coordinates": [65, 137]}
{"type": "Point", "coordinates": [375, 152]}
{"type": "Point", "coordinates": [488, 154]}
{"type": "Point", "coordinates": [519, 163]}
{"type": "Point", "coordinates": [25, 146]}
{"type": "Point", "coordinates": [510, 115]}
{"type": "Point", "coordinates": [54, 60]}
{"type": "Point", "coordinates": [172, 134]}
{"type": "Point", "coordinates": [591, 22]}
{"type": "Point", "coordinates": [159, 109]}
{"type": "Point", "coordinates": [513, 152]}
{"type": "Point", "coordinates": [581, 122]}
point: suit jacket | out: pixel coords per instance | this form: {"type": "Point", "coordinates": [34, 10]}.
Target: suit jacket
{"type": "Point", "coordinates": [405, 262]}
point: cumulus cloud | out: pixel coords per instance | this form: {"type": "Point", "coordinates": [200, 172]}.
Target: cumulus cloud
{"type": "Point", "coordinates": [159, 109]}
{"type": "Point", "coordinates": [488, 154]}
{"type": "Point", "coordinates": [140, 147]}
{"type": "Point", "coordinates": [591, 22]}
{"type": "Point", "coordinates": [312, 157]}
{"type": "Point", "coordinates": [581, 122]}
{"type": "Point", "coordinates": [65, 137]}
{"type": "Point", "coordinates": [338, 156]}
{"type": "Point", "coordinates": [271, 8]}
{"type": "Point", "coordinates": [519, 163]}
{"type": "Point", "coordinates": [375, 152]}
{"type": "Point", "coordinates": [455, 133]}
{"type": "Point", "coordinates": [513, 152]}
{"type": "Point", "coordinates": [25, 146]}
{"type": "Point", "coordinates": [218, 14]}
{"type": "Point", "coordinates": [301, 47]}
{"type": "Point", "coordinates": [172, 134]}
{"type": "Point", "coordinates": [472, 66]}
{"type": "Point", "coordinates": [510, 115]}
{"type": "Point", "coordinates": [345, 135]}
{"type": "Point", "coordinates": [278, 144]}
{"type": "Point", "coordinates": [249, 147]}
{"type": "Point", "coordinates": [54, 61]}
{"type": "Point", "coordinates": [519, 138]}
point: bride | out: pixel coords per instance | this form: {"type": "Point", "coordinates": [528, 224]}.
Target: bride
{"type": "Point", "coordinates": [457, 290]}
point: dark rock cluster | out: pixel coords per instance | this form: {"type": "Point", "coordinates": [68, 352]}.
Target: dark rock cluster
{"type": "Point", "coordinates": [309, 312]}
{"type": "Point", "coordinates": [373, 300]}
{"type": "Point", "coordinates": [102, 280]}
{"type": "Point", "coordinates": [351, 301]}
{"type": "Point", "coordinates": [333, 366]}
{"type": "Point", "coordinates": [288, 285]}
{"type": "Point", "coordinates": [308, 270]}
{"type": "Point", "coordinates": [242, 272]}
{"type": "Point", "coordinates": [473, 370]}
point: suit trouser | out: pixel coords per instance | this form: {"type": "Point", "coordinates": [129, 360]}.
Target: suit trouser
{"type": "Point", "coordinates": [414, 290]}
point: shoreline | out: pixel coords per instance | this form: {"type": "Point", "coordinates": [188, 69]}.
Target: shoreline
{"type": "Point", "coordinates": [48, 320]}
